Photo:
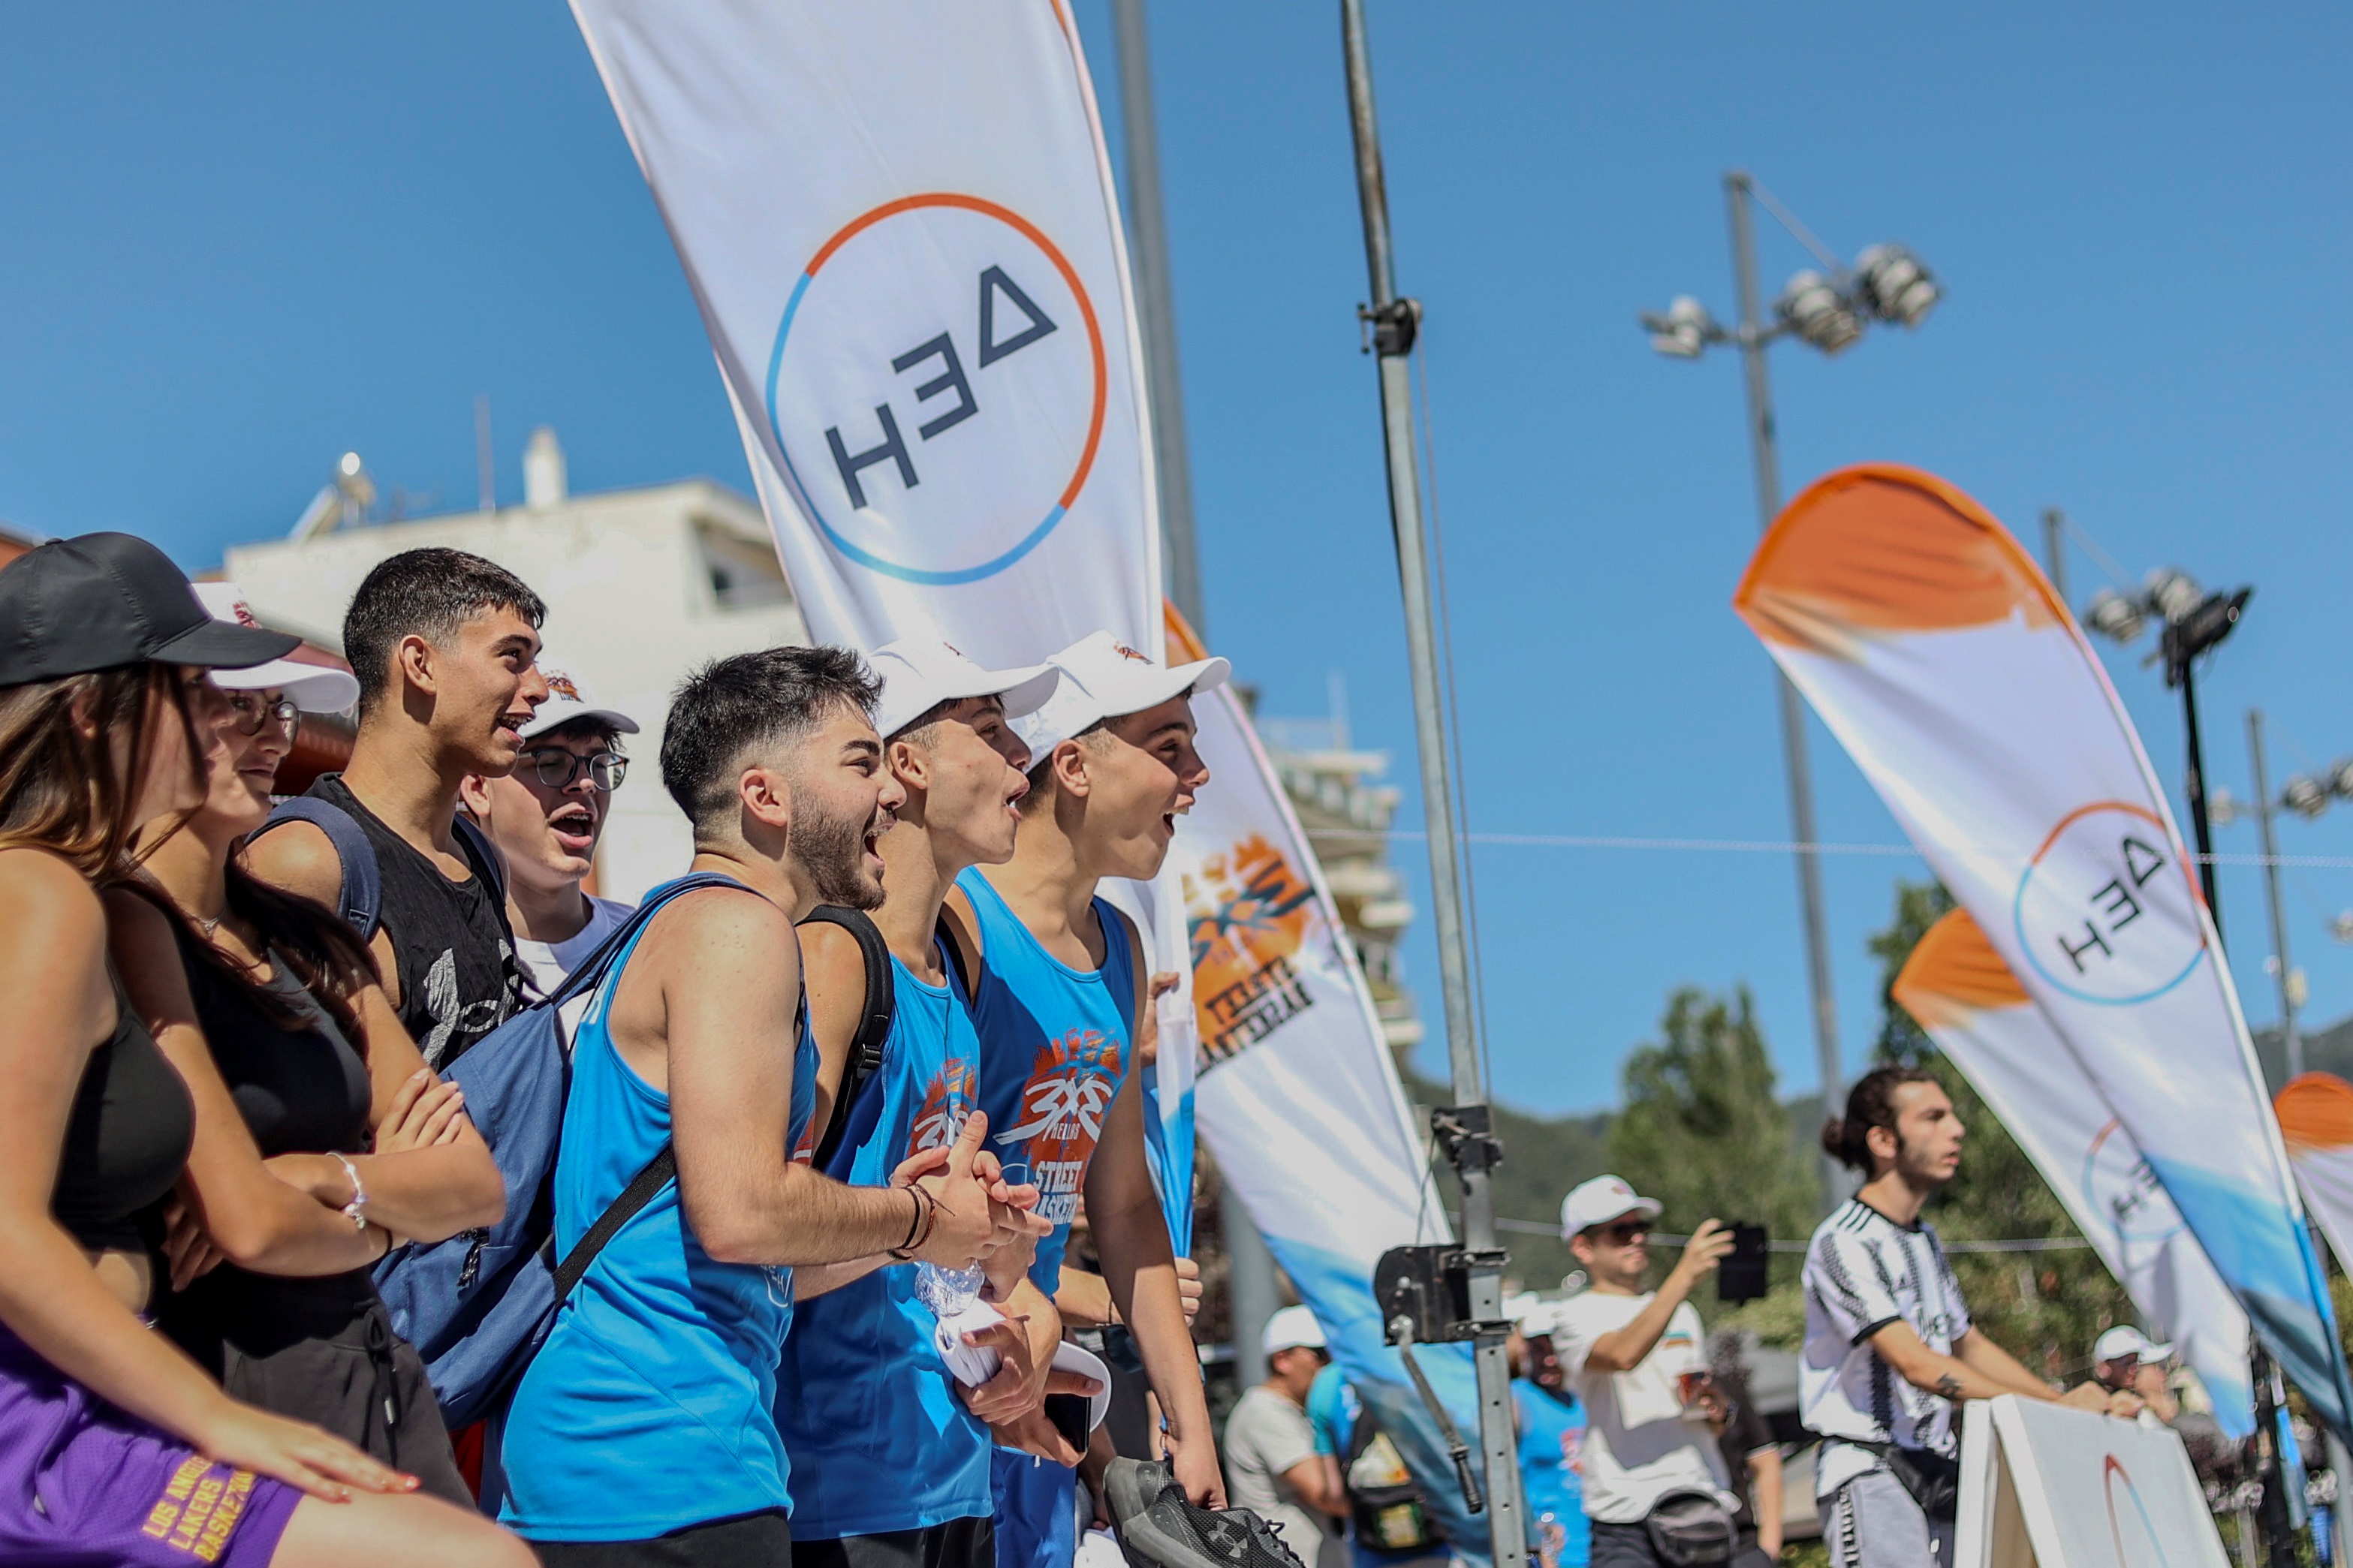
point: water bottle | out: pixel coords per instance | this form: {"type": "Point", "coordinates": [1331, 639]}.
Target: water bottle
{"type": "Point", "coordinates": [1551, 1536]}
{"type": "Point", "coordinates": [953, 1296]}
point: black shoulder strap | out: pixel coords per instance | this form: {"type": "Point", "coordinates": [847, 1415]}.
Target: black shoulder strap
{"type": "Point", "coordinates": [873, 1025]}
{"type": "Point", "coordinates": [484, 855]}
{"type": "Point", "coordinates": [635, 1195]}
{"type": "Point", "coordinates": [362, 894]}
{"type": "Point", "coordinates": [945, 935]}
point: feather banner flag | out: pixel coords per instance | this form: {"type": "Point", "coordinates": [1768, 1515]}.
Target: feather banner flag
{"type": "Point", "coordinates": [1298, 1098]}
{"type": "Point", "coordinates": [1982, 1019]}
{"type": "Point", "coordinates": [2315, 1117]}
{"type": "Point", "coordinates": [1933, 647]}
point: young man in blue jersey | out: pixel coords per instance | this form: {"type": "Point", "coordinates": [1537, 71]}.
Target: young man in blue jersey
{"type": "Point", "coordinates": [863, 1391]}
{"type": "Point", "coordinates": [1059, 991]}
{"type": "Point", "coordinates": [643, 1432]}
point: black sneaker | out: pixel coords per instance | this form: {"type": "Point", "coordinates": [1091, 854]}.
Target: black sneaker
{"type": "Point", "coordinates": [1168, 1531]}
{"type": "Point", "coordinates": [1130, 1486]}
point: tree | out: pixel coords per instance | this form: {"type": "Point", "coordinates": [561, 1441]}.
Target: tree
{"type": "Point", "coordinates": [1702, 1131]}
{"type": "Point", "coordinates": [2045, 1308]}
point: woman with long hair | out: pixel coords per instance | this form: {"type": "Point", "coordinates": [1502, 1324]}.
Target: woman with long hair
{"type": "Point", "coordinates": [116, 1448]}
{"type": "Point", "coordinates": [324, 1088]}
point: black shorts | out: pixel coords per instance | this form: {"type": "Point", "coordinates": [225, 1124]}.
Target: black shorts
{"type": "Point", "coordinates": [761, 1540]}
{"type": "Point", "coordinates": [958, 1543]}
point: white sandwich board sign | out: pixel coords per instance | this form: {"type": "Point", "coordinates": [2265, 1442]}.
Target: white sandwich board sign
{"type": "Point", "coordinates": [2044, 1486]}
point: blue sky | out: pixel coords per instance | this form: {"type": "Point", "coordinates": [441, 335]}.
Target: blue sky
{"type": "Point", "coordinates": [233, 245]}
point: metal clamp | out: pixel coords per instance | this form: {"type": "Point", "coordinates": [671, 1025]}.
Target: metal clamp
{"type": "Point", "coordinates": [1389, 330]}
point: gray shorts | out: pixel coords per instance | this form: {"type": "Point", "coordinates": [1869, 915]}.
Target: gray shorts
{"type": "Point", "coordinates": [1872, 1522]}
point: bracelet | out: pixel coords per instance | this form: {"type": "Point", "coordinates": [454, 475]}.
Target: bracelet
{"type": "Point", "coordinates": [356, 1210]}
{"type": "Point", "coordinates": [919, 1228]}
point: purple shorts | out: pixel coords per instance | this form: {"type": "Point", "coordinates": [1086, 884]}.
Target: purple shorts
{"type": "Point", "coordinates": [83, 1484]}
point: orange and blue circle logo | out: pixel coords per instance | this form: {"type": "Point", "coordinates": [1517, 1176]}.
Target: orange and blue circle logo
{"type": "Point", "coordinates": [2107, 910]}
{"type": "Point", "coordinates": [938, 388]}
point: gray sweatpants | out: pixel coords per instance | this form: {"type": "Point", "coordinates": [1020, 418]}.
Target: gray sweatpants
{"type": "Point", "coordinates": [1872, 1522]}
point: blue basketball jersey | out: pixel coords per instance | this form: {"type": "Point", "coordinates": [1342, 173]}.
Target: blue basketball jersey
{"type": "Point", "coordinates": [1055, 1044]}
{"type": "Point", "coordinates": [649, 1408]}
{"type": "Point", "coordinates": [879, 1438]}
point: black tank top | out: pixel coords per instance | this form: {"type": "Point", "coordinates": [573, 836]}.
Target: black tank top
{"type": "Point", "coordinates": [301, 1091]}
{"type": "Point", "coordinates": [451, 947]}
{"type": "Point", "coordinates": [127, 1138]}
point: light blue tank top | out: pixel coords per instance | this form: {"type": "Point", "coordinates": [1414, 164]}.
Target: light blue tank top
{"type": "Point", "coordinates": [648, 1409]}
{"type": "Point", "coordinates": [862, 1394]}
{"type": "Point", "coordinates": [1054, 1049]}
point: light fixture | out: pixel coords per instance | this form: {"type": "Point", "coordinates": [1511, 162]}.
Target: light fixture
{"type": "Point", "coordinates": [2305, 795]}
{"type": "Point", "coordinates": [1685, 331]}
{"type": "Point", "coordinates": [1896, 285]}
{"type": "Point", "coordinates": [2115, 615]}
{"type": "Point", "coordinates": [2173, 593]}
{"type": "Point", "coordinates": [1817, 311]}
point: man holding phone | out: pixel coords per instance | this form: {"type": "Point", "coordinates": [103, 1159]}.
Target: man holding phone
{"type": "Point", "coordinates": [1637, 1359]}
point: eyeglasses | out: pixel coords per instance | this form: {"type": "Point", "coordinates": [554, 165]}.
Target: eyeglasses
{"type": "Point", "coordinates": [557, 768]}
{"type": "Point", "coordinates": [249, 711]}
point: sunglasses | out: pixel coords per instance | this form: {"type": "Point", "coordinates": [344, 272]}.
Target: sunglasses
{"type": "Point", "coordinates": [1625, 1233]}
{"type": "Point", "coordinates": [557, 768]}
{"type": "Point", "coordinates": [248, 711]}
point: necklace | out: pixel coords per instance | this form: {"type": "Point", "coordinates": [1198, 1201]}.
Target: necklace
{"type": "Point", "coordinates": [210, 926]}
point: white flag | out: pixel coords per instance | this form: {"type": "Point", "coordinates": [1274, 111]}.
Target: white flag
{"type": "Point", "coordinates": [1982, 1018]}
{"type": "Point", "coordinates": [1930, 644]}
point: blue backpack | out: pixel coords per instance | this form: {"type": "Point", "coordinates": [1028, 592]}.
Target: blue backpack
{"type": "Point", "coordinates": [478, 1305]}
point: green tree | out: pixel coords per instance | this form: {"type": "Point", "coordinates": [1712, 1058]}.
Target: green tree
{"type": "Point", "coordinates": [2045, 1308]}
{"type": "Point", "coordinates": [1701, 1130]}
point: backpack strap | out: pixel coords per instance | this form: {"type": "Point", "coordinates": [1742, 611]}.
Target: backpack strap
{"type": "Point", "coordinates": [590, 970]}
{"type": "Point", "coordinates": [488, 862]}
{"type": "Point", "coordinates": [873, 1023]}
{"type": "Point", "coordinates": [361, 900]}
{"type": "Point", "coordinates": [640, 1192]}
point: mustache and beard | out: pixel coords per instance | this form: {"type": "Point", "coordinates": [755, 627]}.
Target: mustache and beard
{"type": "Point", "coordinates": [833, 851]}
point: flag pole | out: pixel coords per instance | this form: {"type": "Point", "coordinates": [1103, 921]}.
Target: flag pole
{"type": "Point", "coordinates": [1393, 323]}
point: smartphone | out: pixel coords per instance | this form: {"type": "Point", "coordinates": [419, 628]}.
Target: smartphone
{"type": "Point", "coordinates": [1069, 1413]}
{"type": "Point", "coordinates": [1741, 1277]}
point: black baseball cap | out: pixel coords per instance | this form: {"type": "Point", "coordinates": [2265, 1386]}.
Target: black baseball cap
{"type": "Point", "coordinates": [100, 600]}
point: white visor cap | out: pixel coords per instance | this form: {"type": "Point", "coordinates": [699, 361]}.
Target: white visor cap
{"type": "Point", "coordinates": [919, 673]}
{"type": "Point", "coordinates": [1103, 677]}
{"type": "Point", "coordinates": [568, 698]}
{"type": "Point", "coordinates": [2123, 1340]}
{"type": "Point", "coordinates": [311, 688]}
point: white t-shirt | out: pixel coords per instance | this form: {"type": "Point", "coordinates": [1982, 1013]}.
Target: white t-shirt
{"type": "Point", "coordinates": [1863, 1272]}
{"type": "Point", "coordinates": [1267, 1436]}
{"type": "Point", "coordinates": [1640, 1442]}
{"type": "Point", "coordinates": [545, 963]}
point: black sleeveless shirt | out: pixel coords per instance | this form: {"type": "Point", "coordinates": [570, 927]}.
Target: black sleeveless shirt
{"type": "Point", "coordinates": [451, 946]}
{"type": "Point", "coordinates": [127, 1138]}
{"type": "Point", "coordinates": [301, 1090]}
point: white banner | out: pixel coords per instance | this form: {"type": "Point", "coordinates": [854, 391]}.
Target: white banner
{"type": "Point", "coordinates": [1298, 1096]}
{"type": "Point", "coordinates": [1932, 647]}
{"type": "Point", "coordinates": [898, 220]}
{"type": "Point", "coordinates": [1982, 1018]}
{"type": "Point", "coordinates": [2315, 1116]}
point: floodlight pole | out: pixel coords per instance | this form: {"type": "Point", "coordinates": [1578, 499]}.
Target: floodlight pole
{"type": "Point", "coordinates": [1752, 336]}
{"type": "Point", "coordinates": [2266, 812]}
{"type": "Point", "coordinates": [1393, 323]}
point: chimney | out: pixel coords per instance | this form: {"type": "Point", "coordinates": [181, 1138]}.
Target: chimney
{"type": "Point", "coordinates": [543, 470]}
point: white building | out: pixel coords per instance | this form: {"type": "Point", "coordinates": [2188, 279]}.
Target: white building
{"type": "Point", "coordinates": [641, 586]}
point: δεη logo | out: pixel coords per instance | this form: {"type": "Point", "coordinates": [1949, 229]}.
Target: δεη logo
{"type": "Point", "coordinates": [937, 388]}
{"type": "Point", "coordinates": [2107, 910]}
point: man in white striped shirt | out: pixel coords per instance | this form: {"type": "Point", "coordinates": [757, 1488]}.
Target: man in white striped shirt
{"type": "Point", "coordinates": [1890, 1350]}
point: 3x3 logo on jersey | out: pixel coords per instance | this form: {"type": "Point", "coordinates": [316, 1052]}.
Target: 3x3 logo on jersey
{"type": "Point", "coordinates": [937, 388]}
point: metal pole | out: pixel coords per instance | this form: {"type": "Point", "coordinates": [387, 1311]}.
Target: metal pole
{"type": "Point", "coordinates": [1753, 339]}
{"type": "Point", "coordinates": [2266, 810]}
{"type": "Point", "coordinates": [2194, 785]}
{"type": "Point", "coordinates": [1252, 1294]}
{"type": "Point", "coordinates": [1394, 323]}
{"type": "Point", "coordinates": [1155, 308]}
{"type": "Point", "coordinates": [2055, 550]}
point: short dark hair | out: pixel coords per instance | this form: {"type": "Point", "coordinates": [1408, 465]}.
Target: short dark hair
{"type": "Point", "coordinates": [1870, 1103]}
{"type": "Point", "coordinates": [427, 593]}
{"type": "Point", "coordinates": [1094, 737]}
{"type": "Point", "coordinates": [734, 704]}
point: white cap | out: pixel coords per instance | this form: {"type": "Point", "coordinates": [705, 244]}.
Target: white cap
{"type": "Point", "coordinates": [311, 688]}
{"type": "Point", "coordinates": [1293, 1328]}
{"type": "Point", "coordinates": [2123, 1340]}
{"type": "Point", "coordinates": [1530, 1313]}
{"type": "Point", "coordinates": [1103, 677]}
{"type": "Point", "coordinates": [1069, 1357]}
{"type": "Point", "coordinates": [919, 673]}
{"type": "Point", "coordinates": [1599, 1200]}
{"type": "Point", "coordinates": [568, 699]}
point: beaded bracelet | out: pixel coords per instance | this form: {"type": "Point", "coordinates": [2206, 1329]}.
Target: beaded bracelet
{"type": "Point", "coordinates": [356, 1210]}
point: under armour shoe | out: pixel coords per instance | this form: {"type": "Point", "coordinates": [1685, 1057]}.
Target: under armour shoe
{"type": "Point", "coordinates": [1169, 1532]}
